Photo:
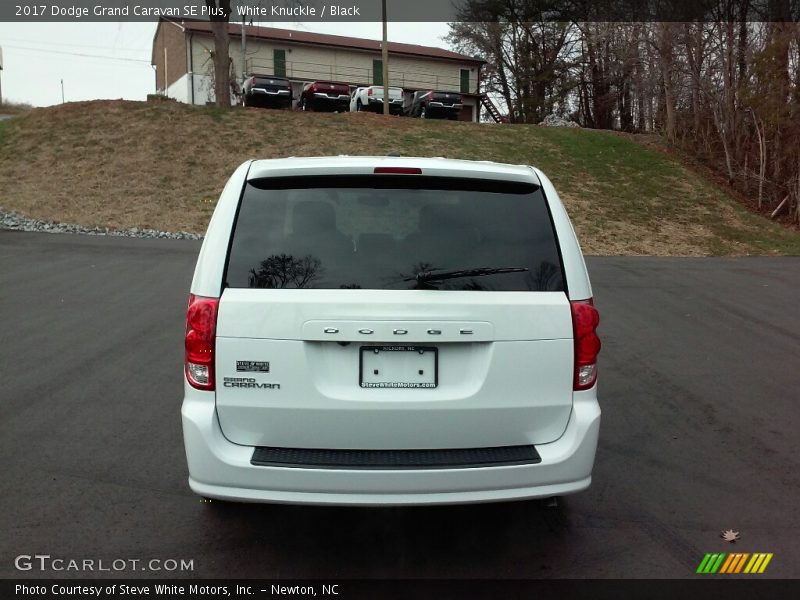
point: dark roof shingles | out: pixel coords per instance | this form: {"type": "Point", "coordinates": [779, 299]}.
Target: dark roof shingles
{"type": "Point", "coordinates": [306, 37]}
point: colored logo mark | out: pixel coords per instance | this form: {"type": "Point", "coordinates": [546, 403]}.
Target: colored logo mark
{"type": "Point", "coordinates": [735, 562]}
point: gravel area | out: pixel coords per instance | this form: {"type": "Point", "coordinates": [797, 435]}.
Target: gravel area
{"type": "Point", "coordinates": [14, 220]}
{"type": "Point", "coordinates": [553, 120]}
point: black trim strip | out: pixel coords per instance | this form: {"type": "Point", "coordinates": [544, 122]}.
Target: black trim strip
{"type": "Point", "coordinates": [448, 458]}
{"type": "Point", "coordinates": [555, 236]}
{"type": "Point", "coordinates": [394, 182]}
{"type": "Point", "coordinates": [231, 233]}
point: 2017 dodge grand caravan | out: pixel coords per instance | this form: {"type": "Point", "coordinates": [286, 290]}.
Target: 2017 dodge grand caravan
{"type": "Point", "coordinates": [383, 330]}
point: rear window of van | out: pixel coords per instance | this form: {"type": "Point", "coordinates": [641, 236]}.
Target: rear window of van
{"type": "Point", "coordinates": [382, 232]}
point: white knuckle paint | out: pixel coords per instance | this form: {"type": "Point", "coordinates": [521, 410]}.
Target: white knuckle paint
{"type": "Point", "coordinates": [504, 359]}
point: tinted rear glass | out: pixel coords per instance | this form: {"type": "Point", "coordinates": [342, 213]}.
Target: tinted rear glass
{"type": "Point", "coordinates": [377, 232]}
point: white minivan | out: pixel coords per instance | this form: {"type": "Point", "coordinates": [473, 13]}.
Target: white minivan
{"type": "Point", "coordinates": [386, 330]}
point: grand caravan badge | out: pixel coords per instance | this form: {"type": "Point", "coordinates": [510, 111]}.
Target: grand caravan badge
{"type": "Point", "coordinates": [248, 382]}
{"type": "Point", "coordinates": [252, 366]}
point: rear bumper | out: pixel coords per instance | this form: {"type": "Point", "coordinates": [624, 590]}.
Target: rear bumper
{"type": "Point", "coordinates": [323, 102]}
{"type": "Point", "coordinates": [326, 98]}
{"type": "Point", "coordinates": [395, 106]}
{"type": "Point", "coordinates": [444, 109]}
{"type": "Point", "coordinates": [220, 469]}
{"type": "Point", "coordinates": [261, 98]}
{"type": "Point", "coordinates": [262, 91]}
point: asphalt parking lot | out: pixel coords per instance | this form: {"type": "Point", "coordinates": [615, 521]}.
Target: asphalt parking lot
{"type": "Point", "coordinates": [699, 389]}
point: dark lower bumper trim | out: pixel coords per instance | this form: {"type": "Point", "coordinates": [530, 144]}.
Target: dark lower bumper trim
{"type": "Point", "coordinates": [450, 458]}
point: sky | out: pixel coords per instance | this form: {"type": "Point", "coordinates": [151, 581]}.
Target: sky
{"type": "Point", "coordinates": [112, 60]}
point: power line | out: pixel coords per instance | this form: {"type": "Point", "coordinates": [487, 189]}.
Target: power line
{"type": "Point", "coordinates": [138, 60]}
{"type": "Point", "coordinates": [75, 45]}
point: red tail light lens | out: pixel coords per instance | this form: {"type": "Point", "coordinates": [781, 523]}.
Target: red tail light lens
{"type": "Point", "coordinates": [201, 332]}
{"type": "Point", "coordinates": [369, 91]}
{"type": "Point", "coordinates": [585, 320]}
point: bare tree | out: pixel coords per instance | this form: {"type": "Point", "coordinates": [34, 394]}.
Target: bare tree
{"type": "Point", "coordinates": [219, 15]}
{"type": "Point", "coordinates": [725, 88]}
{"type": "Point", "coordinates": [528, 56]}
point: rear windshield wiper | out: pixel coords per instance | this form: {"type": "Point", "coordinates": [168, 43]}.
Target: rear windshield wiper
{"type": "Point", "coordinates": [426, 276]}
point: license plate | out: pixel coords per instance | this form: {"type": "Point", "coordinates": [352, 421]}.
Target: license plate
{"type": "Point", "coordinates": [399, 367]}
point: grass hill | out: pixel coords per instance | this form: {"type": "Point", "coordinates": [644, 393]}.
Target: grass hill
{"type": "Point", "coordinates": [162, 165]}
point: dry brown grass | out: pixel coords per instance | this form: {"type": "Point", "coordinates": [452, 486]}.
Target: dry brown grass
{"type": "Point", "coordinates": [133, 164]}
{"type": "Point", "coordinates": [14, 108]}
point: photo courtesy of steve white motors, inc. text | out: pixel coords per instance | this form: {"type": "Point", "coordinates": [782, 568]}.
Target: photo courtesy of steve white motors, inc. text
{"type": "Point", "coordinates": [165, 589]}
{"type": "Point", "coordinates": [242, 10]}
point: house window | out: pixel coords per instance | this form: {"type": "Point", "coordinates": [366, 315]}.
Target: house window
{"type": "Point", "coordinates": [377, 72]}
{"type": "Point", "coordinates": [279, 62]}
{"type": "Point", "coordinates": [464, 81]}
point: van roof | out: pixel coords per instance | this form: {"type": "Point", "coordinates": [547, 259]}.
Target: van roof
{"type": "Point", "coordinates": [365, 165]}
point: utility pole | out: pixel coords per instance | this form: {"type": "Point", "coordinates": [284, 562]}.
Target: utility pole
{"type": "Point", "coordinates": [244, 51]}
{"type": "Point", "coordinates": [166, 73]}
{"type": "Point", "coordinates": [385, 61]}
{"type": "Point", "coordinates": [62, 91]}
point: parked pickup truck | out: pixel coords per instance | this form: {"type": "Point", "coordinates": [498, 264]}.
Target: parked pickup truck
{"type": "Point", "coordinates": [266, 90]}
{"type": "Point", "coordinates": [371, 98]}
{"type": "Point", "coordinates": [428, 104]}
{"type": "Point", "coordinates": [325, 96]}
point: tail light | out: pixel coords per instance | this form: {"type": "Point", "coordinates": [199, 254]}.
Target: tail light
{"type": "Point", "coordinates": [252, 81]}
{"type": "Point", "coordinates": [585, 319]}
{"type": "Point", "coordinates": [369, 91]}
{"type": "Point", "coordinates": [201, 333]}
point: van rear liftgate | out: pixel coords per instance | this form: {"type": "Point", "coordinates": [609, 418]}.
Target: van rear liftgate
{"type": "Point", "coordinates": [393, 311]}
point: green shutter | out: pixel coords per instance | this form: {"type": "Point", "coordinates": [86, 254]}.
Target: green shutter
{"type": "Point", "coordinates": [279, 62]}
{"type": "Point", "coordinates": [377, 72]}
{"type": "Point", "coordinates": [464, 81]}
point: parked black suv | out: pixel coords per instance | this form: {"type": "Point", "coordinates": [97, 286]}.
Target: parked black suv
{"type": "Point", "coordinates": [267, 91]}
{"type": "Point", "coordinates": [428, 104]}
